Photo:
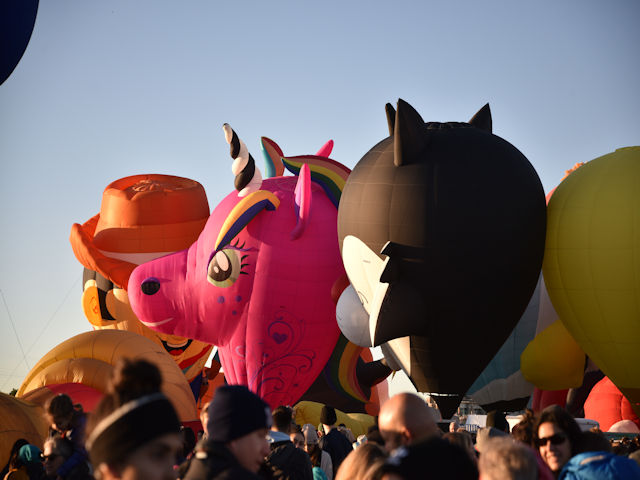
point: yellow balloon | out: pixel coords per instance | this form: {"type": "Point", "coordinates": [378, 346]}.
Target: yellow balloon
{"type": "Point", "coordinates": [20, 419]}
{"type": "Point", "coordinates": [89, 358]}
{"type": "Point", "coordinates": [553, 360]}
{"type": "Point", "coordinates": [592, 263]}
{"type": "Point", "coordinates": [309, 412]}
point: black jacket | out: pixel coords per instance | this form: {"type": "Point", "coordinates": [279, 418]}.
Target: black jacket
{"type": "Point", "coordinates": [217, 462]}
{"type": "Point", "coordinates": [288, 462]}
{"type": "Point", "coordinates": [336, 445]}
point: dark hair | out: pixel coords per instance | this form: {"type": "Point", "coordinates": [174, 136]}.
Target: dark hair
{"type": "Point", "coordinates": [188, 441]}
{"type": "Point", "coordinates": [497, 420]}
{"type": "Point", "coordinates": [14, 461]}
{"type": "Point", "coordinates": [564, 421]}
{"type": "Point", "coordinates": [60, 405]}
{"type": "Point", "coordinates": [114, 433]}
{"type": "Point", "coordinates": [282, 418]}
{"type": "Point", "coordinates": [593, 441]}
{"type": "Point", "coordinates": [315, 454]}
{"type": "Point", "coordinates": [523, 431]}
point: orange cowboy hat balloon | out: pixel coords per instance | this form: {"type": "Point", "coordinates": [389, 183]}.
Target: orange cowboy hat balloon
{"type": "Point", "coordinates": [142, 217]}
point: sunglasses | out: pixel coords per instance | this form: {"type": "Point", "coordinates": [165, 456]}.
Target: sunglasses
{"type": "Point", "coordinates": [556, 439]}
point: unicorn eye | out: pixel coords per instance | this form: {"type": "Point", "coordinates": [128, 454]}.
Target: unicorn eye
{"type": "Point", "coordinates": [224, 268]}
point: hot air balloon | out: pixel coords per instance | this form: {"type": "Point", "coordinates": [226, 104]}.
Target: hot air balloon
{"type": "Point", "coordinates": [456, 216]}
{"type": "Point", "coordinates": [257, 283]}
{"type": "Point", "coordinates": [142, 217]}
{"type": "Point", "coordinates": [81, 367]}
{"type": "Point", "coordinates": [20, 419]}
{"type": "Point", "coordinates": [591, 264]}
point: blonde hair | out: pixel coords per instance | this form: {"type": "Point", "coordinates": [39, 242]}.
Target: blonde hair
{"type": "Point", "coordinates": [356, 465]}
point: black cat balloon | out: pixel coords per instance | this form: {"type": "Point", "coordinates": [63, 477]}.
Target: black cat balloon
{"type": "Point", "coordinates": [442, 230]}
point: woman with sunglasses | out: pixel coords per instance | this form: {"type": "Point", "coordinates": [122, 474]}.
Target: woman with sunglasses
{"type": "Point", "coordinates": [556, 436]}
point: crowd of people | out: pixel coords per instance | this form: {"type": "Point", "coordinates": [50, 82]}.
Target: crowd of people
{"type": "Point", "coordinates": [134, 434]}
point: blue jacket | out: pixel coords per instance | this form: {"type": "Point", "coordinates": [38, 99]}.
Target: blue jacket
{"type": "Point", "coordinates": [600, 466]}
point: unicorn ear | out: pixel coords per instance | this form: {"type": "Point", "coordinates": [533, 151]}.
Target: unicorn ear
{"type": "Point", "coordinates": [273, 166]}
{"type": "Point", "coordinates": [391, 117]}
{"type": "Point", "coordinates": [325, 150]}
{"type": "Point", "coordinates": [302, 201]}
{"type": "Point", "coordinates": [482, 119]}
{"type": "Point", "coordinates": [409, 136]}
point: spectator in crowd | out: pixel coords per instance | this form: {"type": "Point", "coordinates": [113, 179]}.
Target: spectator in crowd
{"type": "Point", "coordinates": [68, 421]}
{"type": "Point", "coordinates": [333, 442]}
{"type": "Point", "coordinates": [433, 458]}
{"type": "Point", "coordinates": [346, 431]}
{"type": "Point", "coordinates": [485, 434]}
{"type": "Point", "coordinates": [237, 444]}
{"type": "Point", "coordinates": [320, 460]}
{"type": "Point", "coordinates": [601, 466]}
{"type": "Point", "coordinates": [204, 419]}
{"type": "Point", "coordinates": [373, 435]}
{"type": "Point", "coordinates": [57, 451]}
{"type": "Point", "coordinates": [285, 460]}
{"type": "Point", "coordinates": [523, 431]}
{"type": "Point", "coordinates": [504, 458]}
{"type": "Point", "coordinates": [297, 438]}
{"type": "Point", "coordinates": [464, 440]}
{"type": "Point", "coordinates": [593, 441]}
{"type": "Point", "coordinates": [556, 436]}
{"type": "Point", "coordinates": [497, 420]}
{"type": "Point", "coordinates": [404, 419]}
{"type": "Point", "coordinates": [356, 465]}
{"type": "Point", "coordinates": [134, 432]}
{"type": "Point", "coordinates": [25, 462]}
{"type": "Point", "coordinates": [13, 455]}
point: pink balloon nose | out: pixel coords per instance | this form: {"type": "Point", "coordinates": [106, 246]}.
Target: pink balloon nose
{"type": "Point", "coordinates": [150, 286]}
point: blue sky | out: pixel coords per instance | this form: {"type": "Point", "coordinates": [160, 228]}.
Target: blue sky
{"type": "Point", "coordinates": [115, 88]}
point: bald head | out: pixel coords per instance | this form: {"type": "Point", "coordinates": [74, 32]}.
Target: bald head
{"type": "Point", "coordinates": [406, 418]}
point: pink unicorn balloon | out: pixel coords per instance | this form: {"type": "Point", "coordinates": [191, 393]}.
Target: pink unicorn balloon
{"type": "Point", "coordinates": [257, 282]}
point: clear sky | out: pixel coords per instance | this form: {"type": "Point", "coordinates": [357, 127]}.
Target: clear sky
{"type": "Point", "coordinates": [115, 88]}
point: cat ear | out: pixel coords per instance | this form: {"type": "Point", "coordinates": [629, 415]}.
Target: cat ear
{"type": "Point", "coordinates": [391, 117]}
{"type": "Point", "coordinates": [409, 136]}
{"type": "Point", "coordinates": [482, 119]}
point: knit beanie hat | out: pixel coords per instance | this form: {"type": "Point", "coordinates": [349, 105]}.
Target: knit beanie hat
{"type": "Point", "coordinates": [310, 434]}
{"type": "Point", "coordinates": [29, 454]}
{"type": "Point", "coordinates": [236, 411]}
{"type": "Point", "coordinates": [131, 426]}
{"type": "Point", "coordinates": [328, 415]}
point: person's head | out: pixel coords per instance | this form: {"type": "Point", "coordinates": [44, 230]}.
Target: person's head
{"type": "Point", "coordinates": [14, 459]}
{"type": "Point", "coordinates": [356, 464]}
{"type": "Point", "coordinates": [433, 458]}
{"type": "Point", "coordinates": [60, 412]}
{"type": "Point", "coordinates": [346, 431]}
{"type": "Point", "coordinates": [497, 420]}
{"type": "Point", "coordinates": [556, 436]}
{"type": "Point", "coordinates": [523, 430]}
{"type": "Point", "coordinates": [204, 417]}
{"type": "Point", "coordinates": [188, 440]}
{"type": "Point", "coordinates": [464, 440]}
{"type": "Point", "coordinates": [56, 451]}
{"type": "Point", "coordinates": [282, 419]}
{"type": "Point", "coordinates": [297, 439]}
{"type": "Point", "coordinates": [503, 458]}
{"type": "Point", "coordinates": [311, 443]}
{"type": "Point", "coordinates": [328, 416]}
{"type": "Point", "coordinates": [593, 441]}
{"type": "Point", "coordinates": [240, 420]}
{"type": "Point", "coordinates": [134, 433]}
{"type": "Point", "coordinates": [405, 418]}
